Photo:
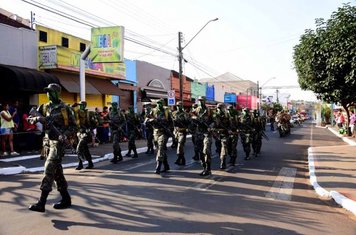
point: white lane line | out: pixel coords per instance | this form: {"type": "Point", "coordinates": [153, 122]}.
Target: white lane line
{"type": "Point", "coordinates": [283, 185]}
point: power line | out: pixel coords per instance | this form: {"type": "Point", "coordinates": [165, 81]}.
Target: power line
{"type": "Point", "coordinates": [76, 19]}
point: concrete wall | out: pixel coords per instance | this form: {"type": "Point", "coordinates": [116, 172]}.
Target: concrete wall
{"type": "Point", "coordinates": [18, 47]}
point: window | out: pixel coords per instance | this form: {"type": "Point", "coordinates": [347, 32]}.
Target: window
{"type": "Point", "coordinates": [82, 46]}
{"type": "Point", "coordinates": [65, 42]}
{"type": "Point", "coordinates": [43, 36]}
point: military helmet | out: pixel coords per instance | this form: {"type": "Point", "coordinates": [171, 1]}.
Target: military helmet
{"type": "Point", "coordinates": [201, 98]}
{"type": "Point", "coordinates": [230, 107]}
{"type": "Point", "coordinates": [179, 103]}
{"type": "Point", "coordinates": [114, 103]}
{"type": "Point", "coordinates": [53, 87]}
{"type": "Point", "coordinates": [83, 102]}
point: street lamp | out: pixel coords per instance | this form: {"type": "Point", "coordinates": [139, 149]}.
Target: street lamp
{"type": "Point", "coordinates": [180, 56]}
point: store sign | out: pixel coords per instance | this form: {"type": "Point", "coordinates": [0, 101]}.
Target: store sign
{"type": "Point", "coordinates": [48, 57]}
{"type": "Point", "coordinates": [59, 57]}
{"type": "Point", "coordinates": [107, 44]}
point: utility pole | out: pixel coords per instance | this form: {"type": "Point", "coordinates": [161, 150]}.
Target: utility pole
{"type": "Point", "coordinates": [180, 58]}
{"type": "Point", "coordinates": [32, 19]}
{"type": "Point", "coordinates": [277, 91]}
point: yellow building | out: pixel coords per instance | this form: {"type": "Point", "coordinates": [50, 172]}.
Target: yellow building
{"type": "Point", "coordinates": [59, 54]}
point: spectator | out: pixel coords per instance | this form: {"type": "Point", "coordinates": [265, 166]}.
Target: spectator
{"type": "Point", "coordinates": [15, 109]}
{"type": "Point", "coordinates": [30, 136]}
{"type": "Point", "coordinates": [7, 125]}
{"type": "Point", "coordinates": [105, 118]}
{"type": "Point", "coordinates": [352, 123]}
{"type": "Point", "coordinates": [340, 120]}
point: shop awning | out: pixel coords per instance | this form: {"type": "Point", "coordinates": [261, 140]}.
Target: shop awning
{"type": "Point", "coordinates": [105, 86]}
{"type": "Point", "coordinates": [72, 84]}
{"type": "Point", "coordinates": [128, 87]}
{"type": "Point", "coordinates": [13, 78]}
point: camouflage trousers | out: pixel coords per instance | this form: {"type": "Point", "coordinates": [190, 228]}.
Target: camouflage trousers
{"type": "Point", "coordinates": [53, 171]}
{"type": "Point", "coordinates": [246, 139]}
{"type": "Point", "coordinates": [132, 139]}
{"type": "Point", "coordinates": [149, 138]}
{"type": "Point", "coordinates": [232, 145]}
{"type": "Point", "coordinates": [203, 142]}
{"type": "Point", "coordinates": [224, 146]}
{"type": "Point", "coordinates": [160, 140]}
{"type": "Point", "coordinates": [257, 142]}
{"type": "Point", "coordinates": [84, 138]}
{"type": "Point", "coordinates": [116, 136]}
{"type": "Point", "coordinates": [181, 137]}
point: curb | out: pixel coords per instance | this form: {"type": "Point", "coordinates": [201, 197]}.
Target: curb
{"type": "Point", "coordinates": [108, 156]}
{"type": "Point", "coordinates": [340, 199]}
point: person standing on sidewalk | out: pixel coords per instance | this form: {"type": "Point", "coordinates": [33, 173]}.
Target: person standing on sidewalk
{"type": "Point", "coordinates": [59, 123]}
{"type": "Point", "coordinates": [352, 124]}
{"type": "Point", "coordinates": [7, 125]}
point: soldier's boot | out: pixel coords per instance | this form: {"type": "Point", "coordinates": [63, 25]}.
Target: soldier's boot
{"type": "Point", "coordinates": [177, 162]}
{"type": "Point", "coordinates": [223, 164]}
{"type": "Point", "coordinates": [128, 154]}
{"type": "Point", "coordinates": [166, 167]}
{"type": "Point", "coordinates": [182, 163]}
{"type": "Point", "coordinates": [196, 156]}
{"type": "Point", "coordinates": [65, 202]}
{"type": "Point", "coordinates": [158, 167]}
{"type": "Point", "coordinates": [135, 153]}
{"type": "Point", "coordinates": [232, 161]}
{"type": "Point", "coordinates": [80, 165]}
{"type": "Point", "coordinates": [204, 169]}
{"type": "Point", "coordinates": [208, 169]}
{"type": "Point", "coordinates": [114, 160]}
{"type": "Point", "coordinates": [40, 205]}
{"type": "Point", "coordinates": [247, 156]}
{"type": "Point", "coordinates": [90, 164]}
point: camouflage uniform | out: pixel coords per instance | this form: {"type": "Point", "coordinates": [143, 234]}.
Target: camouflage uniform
{"type": "Point", "coordinates": [192, 130]}
{"type": "Point", "coordinates": [133, 122]}
{"type": "Point", "coordinates": [258, 126]}
{"type": "Point", "coordinates": [161, 120]}
{"type": "Point", "coordinates": [221, 128]}
{"type": "Point", "coordinates": [117, 122]}
{"type": "Point", "coordinates": [246, 132]}
{"type": "Point", "coordinates": [85, 121]}
{"type": "Point", "coordinates": [180, 122]}
{"type": "Point", "coordinates": [149, 130]}
{"type": "Point", "coordinates": [201, 116]}
{"type": "Point", "coordinates": [59, 122]}
{"type": "Point", "coordinates": [233, 134]}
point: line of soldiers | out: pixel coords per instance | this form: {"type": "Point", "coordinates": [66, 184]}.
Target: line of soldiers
{"type": "Point", "coordinates": [204, 123]}
{"type": "Point", "coordinates": [61, 122]}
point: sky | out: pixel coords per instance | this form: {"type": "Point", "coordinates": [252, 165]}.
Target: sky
{"type": "Point", "coordinates": [252, 39]}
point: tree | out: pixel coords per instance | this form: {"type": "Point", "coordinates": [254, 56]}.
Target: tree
{"type": "Point", "coordinates": [325, 58]}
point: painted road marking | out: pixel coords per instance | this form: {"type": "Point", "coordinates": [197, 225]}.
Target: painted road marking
{"type": "Point", "coordinates": [283, 185]}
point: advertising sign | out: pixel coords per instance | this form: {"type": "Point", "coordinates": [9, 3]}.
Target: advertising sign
{"type": "Point", "coordinates": [48, 57]}
{"type": "Point", "coordinates": [59, 57]}
{"type": "Point", "coordinates": [107, 44]}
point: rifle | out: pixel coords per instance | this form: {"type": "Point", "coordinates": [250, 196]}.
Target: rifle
{"type": "Point", "coordinates": [35, 116]}
{"type": "Point", "coordinates": [166, 129]}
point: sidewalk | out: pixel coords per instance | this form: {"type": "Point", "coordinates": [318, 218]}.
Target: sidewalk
{"type": "Point", "coordinates": [332, 171]}
{"type": "Point", "coordinates": [30, 162]}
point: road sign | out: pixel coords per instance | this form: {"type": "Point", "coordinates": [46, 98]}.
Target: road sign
{"type": "Point", "coordinates": [171, 94]}
{"type": "Point", "coordinates": [171, 101]}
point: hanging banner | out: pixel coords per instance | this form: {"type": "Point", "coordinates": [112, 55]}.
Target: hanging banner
{"type": "Point", "coordinates": [107, 44]}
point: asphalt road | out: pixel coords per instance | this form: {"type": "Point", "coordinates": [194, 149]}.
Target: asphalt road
{"type": "Point", "coordinates": [266, 195]}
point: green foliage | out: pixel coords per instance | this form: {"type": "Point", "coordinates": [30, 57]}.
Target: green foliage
{"type": "Point", "coordinates": [325, 58]}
